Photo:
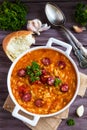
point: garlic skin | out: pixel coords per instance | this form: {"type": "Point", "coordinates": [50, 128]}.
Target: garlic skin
{"type": "Point", "coordinates": [36, 26]}
{"type": "Point", "coordinates": [80, 111]}
{"type": "Point", "coordinates": [78, 29]}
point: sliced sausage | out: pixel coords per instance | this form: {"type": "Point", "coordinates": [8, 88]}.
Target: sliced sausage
{"type": "Point", "coordinates": [43, 78]}
{"type": "Point", "coordinates": [50, 80]}
{"type": "Point", "coordinates": [44, 71]}
{"type": "Point", "coordinates": [26, 97]}
{"type": "Point", "coordinates": [64, 87]}
{"type": "Point", "coordinates": [21, 72]}
{"type": "Point", "coordinates": [37, 82]}
{"type": "Point", "coordinates": [39, 102]}
{"type": "Point", "coordinates": [21, 90]}
{"type": "Point", "coordinates": [61, 64]}
{"type": "Point", "coordinates": [46, 61]}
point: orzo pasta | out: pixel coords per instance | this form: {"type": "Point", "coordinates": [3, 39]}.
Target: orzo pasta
{"type": "Point", "coordinates": [43, 81]}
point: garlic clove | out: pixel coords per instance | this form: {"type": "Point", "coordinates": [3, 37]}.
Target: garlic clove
{"type": "Point", "coordinates": [37, 23]}
{"type": "Point", "coordinates": [31, 27]}
{"type": "Point", "coordinates": [78, 29]}
{"type": "Point", "coordinates": [44, 27]}
{"type": "Point", "coordinates": [80, 111]}
{"type": "Point", "coordinates": [36, 26]}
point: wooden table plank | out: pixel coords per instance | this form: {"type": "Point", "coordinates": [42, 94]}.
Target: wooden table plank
{"type": "Point", "coordinates": [36, 10]}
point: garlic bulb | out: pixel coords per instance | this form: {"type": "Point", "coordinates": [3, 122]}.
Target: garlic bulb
{"type": "Point", "coordinates": [80, 111]}
{"type": "Point", "coordinates": [36, 26]}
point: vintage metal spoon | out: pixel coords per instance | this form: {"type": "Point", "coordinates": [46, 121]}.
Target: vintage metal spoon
{"type": "Point", "coordinates": [57, 18]}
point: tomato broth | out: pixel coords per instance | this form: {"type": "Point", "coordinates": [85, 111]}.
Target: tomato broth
{"type": "Point", "coordinates": [43, 81]}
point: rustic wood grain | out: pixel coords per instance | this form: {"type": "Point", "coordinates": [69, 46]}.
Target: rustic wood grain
{"type": "Point", "coordinates": [36, 10]}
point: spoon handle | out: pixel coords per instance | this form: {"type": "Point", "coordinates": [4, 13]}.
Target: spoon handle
{"type": "Point", "coordinates": [74, 39]}
{"type": "Point", "coordinates": [81, 58]}
{"type": "Point", "coordinates": [71, 42]}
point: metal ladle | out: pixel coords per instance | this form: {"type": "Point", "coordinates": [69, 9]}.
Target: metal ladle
{"type": "Point", "coordinates": [57, 18]}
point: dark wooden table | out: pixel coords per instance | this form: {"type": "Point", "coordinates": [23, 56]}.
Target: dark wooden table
{"type": "Point", "coordinates": [36, 10]}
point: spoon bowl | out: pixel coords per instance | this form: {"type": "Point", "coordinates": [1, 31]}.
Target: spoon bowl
{"type": "Point", "coordinates": [54, 15]}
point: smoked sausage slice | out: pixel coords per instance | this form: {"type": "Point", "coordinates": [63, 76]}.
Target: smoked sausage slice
{"type": "Point", "coordinates": [39, 102]}
{"type": "Point", "coordinates": [64, 87]}
{"type": "Point", "coordinates": [46, 61]}
{"type": "Point", "coordinates": [21, 72]}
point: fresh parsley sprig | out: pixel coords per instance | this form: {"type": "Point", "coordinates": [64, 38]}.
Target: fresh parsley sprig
{"type": "Point", "coordinates": [81, 14]}
{"type": "Point", "coordinates": [70, 122]}
{"type": "Point", "coordinates": [12, 15]}
{"type": "Point", "coordinates": [34, 71]}
{"type": "Point", "coordinates": [57, 81]}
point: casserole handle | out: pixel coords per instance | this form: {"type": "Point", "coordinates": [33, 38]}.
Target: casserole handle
{"type": "Point", "coordinates": [61, 43]}
{"type": "Point", "coordinates": [23, 118]}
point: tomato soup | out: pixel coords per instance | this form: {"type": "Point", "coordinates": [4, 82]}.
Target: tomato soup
{"type": "Point", "coordinates": [43, 81]}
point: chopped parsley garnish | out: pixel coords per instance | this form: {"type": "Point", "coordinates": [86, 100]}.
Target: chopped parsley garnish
{"type": "Point", "coordinates": [70, 122]}
{"type": "Point", "coordinates": [57, 82]}
{"type": "Point", "coordinates": [34, 71]}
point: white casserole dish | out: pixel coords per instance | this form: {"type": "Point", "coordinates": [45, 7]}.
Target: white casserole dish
{"type": "Point", "coordinates": [36, 117]}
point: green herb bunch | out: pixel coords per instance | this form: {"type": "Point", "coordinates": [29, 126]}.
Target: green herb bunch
{"type": "Point", "coordinates": [34, 71]}
{"type": "Point", "coordinates": [81, 14]}
{"type": "Point", "coordinates": [12, 15]}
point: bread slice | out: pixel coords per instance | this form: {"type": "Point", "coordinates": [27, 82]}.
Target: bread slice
{"type": "Point", "coordinates": [17, 42]}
